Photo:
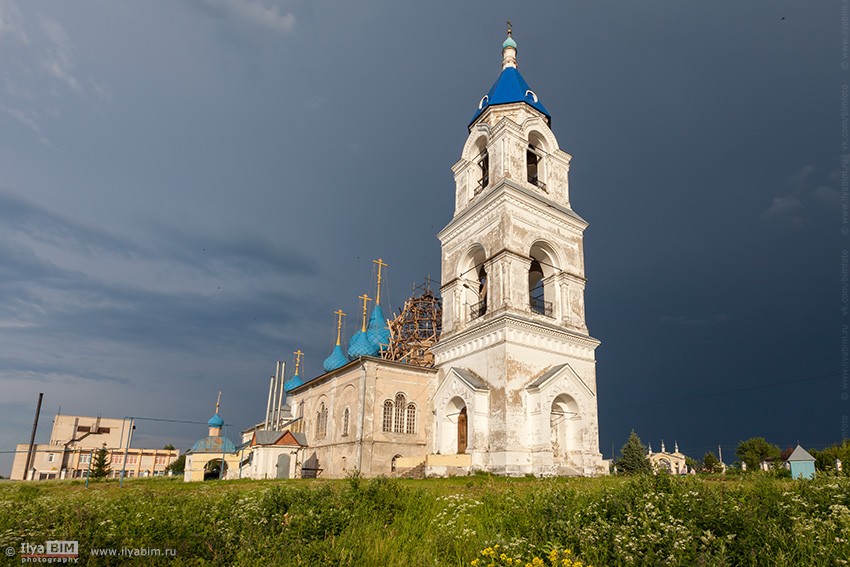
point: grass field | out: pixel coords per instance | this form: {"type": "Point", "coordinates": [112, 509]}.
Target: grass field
{"type": "Point", "coordinates": [754, 520]}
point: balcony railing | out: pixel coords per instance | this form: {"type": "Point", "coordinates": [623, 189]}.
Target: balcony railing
{"type": "Point", "coordinates": [477, 310]}
{"type": "Point", "coordinates": [538, 305]}
{"type": "Point", "coordinates": [534, 180]}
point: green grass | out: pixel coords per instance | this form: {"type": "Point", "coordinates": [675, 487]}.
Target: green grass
{"type": "Point", "coordinates": [752, 520]}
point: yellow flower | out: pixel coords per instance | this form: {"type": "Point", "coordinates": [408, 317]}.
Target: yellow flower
{"type": "Point", "coordinates": [474, 563]}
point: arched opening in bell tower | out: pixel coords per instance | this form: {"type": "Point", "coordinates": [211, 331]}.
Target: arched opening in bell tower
{"type": "Point", "coordinates": [541, 272]}
{"type": "Point", "coordinates": [454, 428]}
{"type": "Point", "coordinates": [534, 160]}
{"type": "Point", "coordinates": [562, 426]}
{"type": "Point", "coordinates": [474, 282]}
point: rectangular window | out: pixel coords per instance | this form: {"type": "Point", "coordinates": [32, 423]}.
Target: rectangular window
{"type": "Point", "coordinates": [132, 459]}
{"type": "Point", "coordinates": [50, 457]}
{"type": "Point", "coordinates": [85, 459]}
{"type": "Point", "coordinates": [83, 428]}
{"type": "Point", "coordinates": [160, 459]}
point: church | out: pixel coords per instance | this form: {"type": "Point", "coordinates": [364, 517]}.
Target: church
{"type": "Point", "coordinates": [508, 383]}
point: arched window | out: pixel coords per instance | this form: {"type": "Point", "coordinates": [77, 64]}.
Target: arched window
{"type": "Point", "coordinates": [484, 165]}
{"type": "Point", "coordinates": [345, 416]}
{"type": "Point", "coordinates": [398, 423]}
{"type": "Point", "coordinates": [480, 308]}
{"type": "Point", "coordinates": [322, 421]}
{"type": "Point", "coordinates": [410, 425]}
{"type": "Point", "coordinates": [534, 154]}
{"type": "Point", "coordinates": [388, 417]}
{"type": "Point", "coordinates": [536, 290]}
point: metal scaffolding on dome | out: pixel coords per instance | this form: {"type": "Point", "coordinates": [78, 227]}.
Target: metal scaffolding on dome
{"type": "Point", "coordinates": [416, 328]}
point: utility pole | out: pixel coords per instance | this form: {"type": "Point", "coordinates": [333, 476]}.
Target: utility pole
{"type": "Point", "coordinates": [30, 456]}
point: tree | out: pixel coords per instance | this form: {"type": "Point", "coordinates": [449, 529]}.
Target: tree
{"type": "Point", "coordinates": [168, 447]}
{"type": "Point", "coordinates": [711, 464]}
{"type": "Point", "coordinates": [692, 464]}
{"type": "Point", "coordinates": [177, 465]}
{"type": "Point", "coordinates": [755, 450]}
{"type": "Point", "coordinates": [100, 464]}
{"type": "Point", "coordinates": [825, 458]}
{"type": "Point", "coordinates": [633, 459]}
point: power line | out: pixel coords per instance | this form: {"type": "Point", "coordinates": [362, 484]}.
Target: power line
{"type": "Point", "coordinates": [723, 393]}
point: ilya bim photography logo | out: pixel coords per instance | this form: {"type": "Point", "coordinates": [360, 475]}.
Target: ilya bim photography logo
{"type": "Point", "coordinates": [48, 552]}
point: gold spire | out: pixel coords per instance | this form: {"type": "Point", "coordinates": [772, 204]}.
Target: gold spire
{"type": "Point", "coordinates": [339, 315]}
{"type": "Point", "coordinates": [510, 27]}
{"type": "Point", "coordinates": [218, 402]}
{"type": "Point", "coordinates": [380, 263]}
{"type": "Point", "coordinates": [365, 298]}
{"type": "Point", "coordinates": [298, 354]}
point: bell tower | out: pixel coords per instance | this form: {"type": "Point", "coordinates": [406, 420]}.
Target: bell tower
{"type": "Point", "coordinates": [517, 364]}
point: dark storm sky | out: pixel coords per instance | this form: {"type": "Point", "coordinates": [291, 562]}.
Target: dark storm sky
{"type": "Point", "coordinates": [190, 189]}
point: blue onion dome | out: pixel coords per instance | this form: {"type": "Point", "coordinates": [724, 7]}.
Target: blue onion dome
{"type": "Point", "coordinates": [360, 345]}
{"type": "Point", "coordinates": [378, 333]}
{"type": "Point", "coordinates": [509, 43]}
{"type": "Point", "coordinates": [337, 359]}
{"type": "Point", "coordinates": [292, 383]}
{"type": "Point", "coordinates": [215, 421]}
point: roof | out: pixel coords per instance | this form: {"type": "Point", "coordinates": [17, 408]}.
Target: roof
{"type": "Point", "coordinates": [360, 345]}
{"type": "Point", "coordinates": [292, 383]}
{"type": "Point", "coordinates": [273, 437]}
{"type": "Point", "coordinates": [378, 332]}
{"type": "Point", "coordinates": [510, 87]}
{"type": "Point", "coordinates": [546, 375]}
{"type": "Point", "coordinates": [336, 359]}
{"type": "Point", "coordinates": [213, 444]}
{"type": "Point", "coordinates": [800, 454]}
{"type": "Point", "coordinates": [471, 378]}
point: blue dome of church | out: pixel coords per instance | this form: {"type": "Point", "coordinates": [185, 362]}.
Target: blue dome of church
{"type": "Point", "coordinates": [360, 345]}
{"type": "Point", "coordinates": [510, 87]}
{"type": "Point", "coordinates": [215, 421]}
{"type": "Point", "coordinates": [378, 333]}
{"type": "Point", "coordinates": [509, 43]}
{"type": "Point", "coordinates": [337, 359]}
{"type": "Point", "coordinates": [292, 383]}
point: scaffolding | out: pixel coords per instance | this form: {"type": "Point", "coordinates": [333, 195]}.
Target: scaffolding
{"type": "Point", "coordinates": [416, 328]}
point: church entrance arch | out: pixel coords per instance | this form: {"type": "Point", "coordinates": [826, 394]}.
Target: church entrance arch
{"type": "Point", "coordinates": [562, 425]}
{"type": "Point", "coordinates": [454, 437]}
{"type": "Point", "coordinates": [462, 429]}
{"type": "Point", "coordinates": [213, 469]}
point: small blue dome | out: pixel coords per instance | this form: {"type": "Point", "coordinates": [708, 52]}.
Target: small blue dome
{"type": "Point", "coordinates": [360, 345]}
{"type": "Point", "coordinates": [215, 421]}
{"type": "Point", "coordinates": [509, 43]}
{"type": "Point", "coordinates": [378, 332]}
{"type": "Point", "coordinates": [292, 383]}
{"type": "Point", "coordinates": [337, 359]}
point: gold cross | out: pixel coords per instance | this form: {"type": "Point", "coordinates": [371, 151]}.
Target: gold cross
{"type": "Point", "coordinates": [298, 355]}
{"type": "Point", "coordinates": [380, 263]}
{"type": "Point", "coordinates": [218, 402]}
{"type": "Point", "coordinates": [365, 298]}
{"type": "Point", "coordinates": [339, 315]}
